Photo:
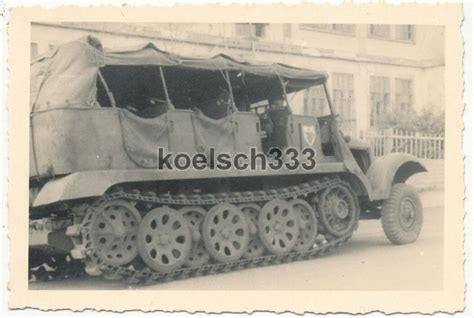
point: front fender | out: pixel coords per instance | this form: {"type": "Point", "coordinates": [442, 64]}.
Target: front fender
{"type": "Point", "coordinates": [390, 169]}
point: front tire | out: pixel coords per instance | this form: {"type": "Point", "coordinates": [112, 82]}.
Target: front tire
{"type": "Point", "coordinates": [402, 215]}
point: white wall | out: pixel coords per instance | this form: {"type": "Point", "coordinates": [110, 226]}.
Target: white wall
{"type": "Point", "coordinates": [432, 88]}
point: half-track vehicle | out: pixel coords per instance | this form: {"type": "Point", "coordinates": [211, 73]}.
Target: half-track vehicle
{"type": "Point", "coordinates": [101, 204]}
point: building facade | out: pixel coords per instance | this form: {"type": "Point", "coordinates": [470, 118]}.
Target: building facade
{"type": "Point", "coordinates": [373, 69]}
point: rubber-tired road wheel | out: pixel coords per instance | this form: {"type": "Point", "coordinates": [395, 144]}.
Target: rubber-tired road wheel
{"type": "Point", "coordinates": [225, 232]}
{"type": "Point", "coordinates": [278, 226]}
{"type": "Point", "coordinates": [164, 239]}
{"type": "Point", "coordinates": [255, 247]}
{"type": "Point", "coordinates": [198, 255]}
{"type": "Point", "coordinates": [307, 224]}
{"type": "Point", "coordinates": [402, 215]}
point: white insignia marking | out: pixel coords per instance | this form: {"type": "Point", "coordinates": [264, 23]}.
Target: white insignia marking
{"type": "Point", "coordinates": [309, 133]}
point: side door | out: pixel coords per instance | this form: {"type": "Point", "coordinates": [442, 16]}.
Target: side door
{"type": "Point", "coordinates": [247, 131]}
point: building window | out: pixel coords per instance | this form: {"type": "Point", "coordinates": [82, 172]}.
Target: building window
{"type": "Point", "coordinates": [405, 33]}
{"type": "Point", "coordinates": [315, 102]}
{"type": "Point", "coordinates": [380, 31]}
{"type": "Point", "coordinates": [345, 29]}
{"type": "Point", "coordinates": [248, 30]}
{"type": "Point", "coordinates": [343, 92]}
{"type": "Point", "coordinates": [259, 30]}
{"type": "Point", "coordinates": [243, 30]}
{"type": "Point", "coordinates": [287, 31]}
{"type": "Point", "coordinates": [33, 50]}
{"type": "Point", "coordinates": [379, 98]}
{"type": "Point", "coordinates": [403, 95]}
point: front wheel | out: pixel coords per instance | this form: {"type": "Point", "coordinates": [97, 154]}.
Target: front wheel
{"type": "Point", "coordinates": [402, 215]}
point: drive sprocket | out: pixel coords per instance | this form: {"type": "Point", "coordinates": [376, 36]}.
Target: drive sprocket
{"type": "Point", "coordinates": [339, 210]}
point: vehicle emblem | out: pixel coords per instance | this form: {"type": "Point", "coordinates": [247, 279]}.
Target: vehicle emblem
{"type": "Point", "coordinates": [309, 133]}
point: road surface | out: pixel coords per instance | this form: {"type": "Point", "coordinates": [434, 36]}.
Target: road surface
{"type": "Point", "coordinates": [367, 262]}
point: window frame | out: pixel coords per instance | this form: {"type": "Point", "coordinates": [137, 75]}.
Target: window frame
{"type": "Point", "coordinates": [413, 31]}
{"type": "Point", "coordinates": [371, 91]}
{"type": "Point", "coordinates": [317, 28]}
{"type": "Point", "coordinates": [252, 30]}
{"type": "Point", "coordinates": [239, 33]}
{"type": "Point", "coordinates": [379, 37]}
{"type": "Point", "coordinates": [262, 27]}
{"type": "Point", "coordinates": [398, 80]}
{"type": "Point", "coordinates": [313, 97]}
{"type": "Point", "coordinates": [348, 122]}
{"type": "Point", "coordinates": [392, 34]}
{"type": "Point", "coordinates": [287, 31]}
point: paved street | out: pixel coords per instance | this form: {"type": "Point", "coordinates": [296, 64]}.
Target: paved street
{"type": "Point", "coordinates": [369, 262]}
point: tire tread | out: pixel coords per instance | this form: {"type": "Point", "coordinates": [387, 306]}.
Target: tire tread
{"type": "Point", "coordinates": [390, 224]}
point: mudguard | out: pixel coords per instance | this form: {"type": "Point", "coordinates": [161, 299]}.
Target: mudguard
{"type": "Point", "coordinates": [88, 184]}
{"type": "Point", "coordinates": [376, 184]}
{"type": "Point", "coordinates": [390, 169]}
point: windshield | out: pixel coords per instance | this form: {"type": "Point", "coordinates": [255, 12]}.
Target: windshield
{"type": "Point", "coordinates": [311, 102]}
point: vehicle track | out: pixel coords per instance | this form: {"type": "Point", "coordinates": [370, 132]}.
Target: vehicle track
{"type": "Point", "coordinates": [137, 272]}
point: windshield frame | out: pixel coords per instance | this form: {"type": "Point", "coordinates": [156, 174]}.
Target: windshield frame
{"type": "Point", "coordinates": [328, 99]}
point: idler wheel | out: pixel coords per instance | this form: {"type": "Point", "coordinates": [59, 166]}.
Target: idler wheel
{"type": "Point", "coordinates": [114, 230]}
{"type": "Point", "coordinates": [255, 247]}
{"type": "Point", "coordinates": [307, 224]}
{"type": "Point", "coordinates": [164, 239]}
{"type": "Point", "coordinates": [278, 226]}
{"type": "Point", "coordinates": [225, 232]}
{"type": "Point", "coordinates": [195, 216]}
{"type": "Point", "coordinates": [339, 210]}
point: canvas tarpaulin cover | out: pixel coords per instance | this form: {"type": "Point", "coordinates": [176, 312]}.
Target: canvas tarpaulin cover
{"type": "Point", "coordinates": [142, 137]}
{"type": "Point", "coordinates": [67, 75]}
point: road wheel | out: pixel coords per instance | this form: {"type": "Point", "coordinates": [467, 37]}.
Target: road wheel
{"type": "Point", "coordinates": [225, 232]}
{"type": "Point", "coordinates": [402, 214]}
{"type": "Point", "coordinates": [164, 239]}
{"type": "Point", "coordinates": [307, 224]}
{"type": "Point", "coordinates": [255, 247]}
{"type": "Point", "coordinates": [198, 255]}
{"type": "Point", "coordinates": [278, 226]}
